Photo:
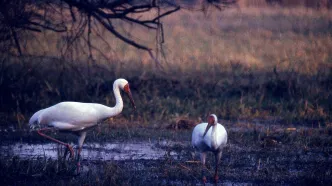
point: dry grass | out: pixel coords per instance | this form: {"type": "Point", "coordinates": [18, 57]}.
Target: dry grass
{"type": "Point", "coordinates": [292, 39]}
{"type": "Point", "coordinates": [257, 38]}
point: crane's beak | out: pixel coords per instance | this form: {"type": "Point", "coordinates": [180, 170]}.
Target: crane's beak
{"type": "Point", "coordinates": [131, 100]}
{"type": "Point", "coordinates": [127, 90]}
{"type": "Point", "coordinates": [207, 129]}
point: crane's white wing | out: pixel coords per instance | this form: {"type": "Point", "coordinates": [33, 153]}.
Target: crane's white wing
{"type": "Point", "coordinates": [197, 140]}
{"type": "Point", "coordinates": [221, 136]}
{"type": "Point", "coordinates": [73, 115]}
{"type": "Point", "coordinates": [209, 142]}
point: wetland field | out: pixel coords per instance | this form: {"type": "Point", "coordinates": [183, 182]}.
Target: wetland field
{"type": "Point", "coordinates": [256, 154]}
{"type": "Point", "coordinates": [265, 72]}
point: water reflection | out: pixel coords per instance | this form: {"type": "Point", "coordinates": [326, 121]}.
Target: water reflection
{"type": "Point", "coordinates": [92, 151]}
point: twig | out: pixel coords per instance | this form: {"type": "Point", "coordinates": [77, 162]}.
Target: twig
{"type": "Point", "coordinates": [184, 167]}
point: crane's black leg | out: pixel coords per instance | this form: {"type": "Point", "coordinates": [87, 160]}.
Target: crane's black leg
{"type": "Point", "coordinates": [203, 158]}
{"type": "Point", "coordinates": [218, 157]}
{"type": "Point", "coordinates": [79, 159]}
{"type": "Point", "coordinates": [81, 139]}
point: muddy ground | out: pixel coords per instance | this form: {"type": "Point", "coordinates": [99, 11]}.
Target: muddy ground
{"type": "Point", "coordinates": [257, 154]}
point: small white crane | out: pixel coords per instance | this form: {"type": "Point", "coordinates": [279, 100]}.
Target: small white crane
{"type": "Point", "coordinates": [210, 136]}
{"type": "Point", "coordinates": [77, 117]}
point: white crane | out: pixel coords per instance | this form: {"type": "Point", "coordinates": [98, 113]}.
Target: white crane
{"type": "Point", "coordinates": [78, 117]}
{"type": "Point", "coordinates": [210, 136]}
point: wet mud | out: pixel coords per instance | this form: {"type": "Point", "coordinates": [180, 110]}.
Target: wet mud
{"type": "Point", "coordinates": [252, 156]}
{"type": "Point", "coordinates": [92, 151]}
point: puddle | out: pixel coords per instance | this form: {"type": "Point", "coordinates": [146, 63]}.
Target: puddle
{"type": "Point", "coordinates": [92, 151]}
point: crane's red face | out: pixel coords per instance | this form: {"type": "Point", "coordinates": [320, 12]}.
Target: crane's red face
{"type": "Point", "coordinates": [211, 122]}
{"type": "Point", "coordinates": [126, 89]}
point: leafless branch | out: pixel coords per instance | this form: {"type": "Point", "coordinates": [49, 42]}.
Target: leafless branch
{"type": "Point", "coordinates": [75, 18]}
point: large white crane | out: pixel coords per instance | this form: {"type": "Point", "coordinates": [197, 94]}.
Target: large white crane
{"type": "Point", "coordinates": [77, 117]}
{"type": "Point", "coordinates": [210, 136]}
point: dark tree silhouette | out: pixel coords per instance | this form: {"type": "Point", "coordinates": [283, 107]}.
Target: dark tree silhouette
{"type": "Point", "coordinates": [19, 17]}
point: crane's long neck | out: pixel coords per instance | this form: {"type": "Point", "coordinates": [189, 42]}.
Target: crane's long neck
{"type": "Point", "coordinates": [119, 103]}
{"type": "Point", "coordinates": [113, 111]}
{"type": "Point", "coordinates": [214, 137]}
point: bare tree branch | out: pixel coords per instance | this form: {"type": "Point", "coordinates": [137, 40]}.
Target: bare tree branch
{"type": "Point", "coordinates": [110, 27]}
{"type": "Point", "coordinates": [166, 13]}
{"type": "Point", "coordinates": [17, 43]}
{"type": "Point", "coordinates": [75, 18]}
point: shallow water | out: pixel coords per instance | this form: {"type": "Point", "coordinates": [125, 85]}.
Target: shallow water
{"type": "Point", "coordinates": [92, 151]}
{"type": "Point", "coordinates": [246, 160]}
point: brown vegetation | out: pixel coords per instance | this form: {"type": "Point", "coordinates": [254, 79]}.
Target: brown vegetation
{"type": "Point", "coordinates": [317, 4]}
{"type": "Point", "coordinates": [255, 63]}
